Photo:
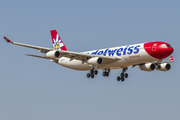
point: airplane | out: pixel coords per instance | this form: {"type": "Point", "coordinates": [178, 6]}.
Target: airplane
{"type": "Point", "coordinates": [147, 56]}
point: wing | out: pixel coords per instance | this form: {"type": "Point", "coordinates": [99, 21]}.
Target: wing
{"type": "Point", "coordinates": [69, 54]}
{"type": "Point", "coordinates": [42, 49]}
{"type": "Point", "coordinates": [165, 61]}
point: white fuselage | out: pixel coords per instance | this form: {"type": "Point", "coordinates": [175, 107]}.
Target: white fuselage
{"type": "Point", "coordinates": [129, 55]}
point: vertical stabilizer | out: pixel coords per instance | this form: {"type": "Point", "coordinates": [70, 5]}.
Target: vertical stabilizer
{"type": "Point", "coordinates": [57, 41]}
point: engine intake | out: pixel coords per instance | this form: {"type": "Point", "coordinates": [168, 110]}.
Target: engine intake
{"type": "Point", "coordinates": [164, 67]}
{"type": "Point", "coordinates": [147, 67]}
{"type": "Point", "coordinates": [95, 61]}
{"type": "Point", "coordinates": [53, 54]}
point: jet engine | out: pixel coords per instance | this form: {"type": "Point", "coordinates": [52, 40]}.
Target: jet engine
{"type": "Point", "coordinates": [95, 61]}
{"type": "Point", "coordinates": [164, 67]}
{"type": "Point", "coordinates": [147, 67]}
{"type": "Point", "coordinates": [53, 54]}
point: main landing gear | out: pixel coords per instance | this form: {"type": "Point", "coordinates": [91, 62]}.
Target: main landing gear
{"type": "Point", "coordinates": [123, 75]}
{"type": "Point", "coordinates": [95, 72]}
{"type": "Point", "coordinates": [92, 73]}
{"type": "Point", "coordinates": [106, 72]}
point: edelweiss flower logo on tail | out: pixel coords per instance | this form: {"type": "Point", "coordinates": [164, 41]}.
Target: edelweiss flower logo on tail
{"type": "Point", "coordinates": [57, 43]}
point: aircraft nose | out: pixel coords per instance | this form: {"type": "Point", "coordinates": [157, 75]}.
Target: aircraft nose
{"type": "Point", "coordinates": [171, 50]}
{"type": "Point", "coordinates": [168, 51]}
{"type": "Point", "coordinates": [158, 50]}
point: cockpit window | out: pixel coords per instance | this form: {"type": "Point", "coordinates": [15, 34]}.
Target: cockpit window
{"type": "Point", "coordinates": [165, 46]}
{"type": "Point", "coordinates": [168, 45]}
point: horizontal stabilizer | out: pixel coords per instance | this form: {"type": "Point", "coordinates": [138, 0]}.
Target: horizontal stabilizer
{"type": "Point", "coordinates": [36, 56]}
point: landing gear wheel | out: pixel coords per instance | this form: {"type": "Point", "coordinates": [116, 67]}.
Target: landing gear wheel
{"type": "Point", "coordinates": [88, 75]}
{"type": "Point", "coordinates": [118, 78]}
{"type": "Point", "coordinates": [91, 71]}
{"type": "Point", "coordinates": [122, 79]}
{"type": "Point", "coordinates": [95, 72]}
{"type": "Point", "coordinates": [104, 73]}
{"type": "Point", "coordinates": [122, 74]}
{"type": "Point", "coordinates": [107, 74]}
{"type": "Point", "coordinates": [92, 75]}
{"type": "Point", "coordinates": [126, 75]}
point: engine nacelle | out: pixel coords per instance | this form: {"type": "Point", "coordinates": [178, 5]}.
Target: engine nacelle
{"type": "Point", "coordinates": [164, 67]}
{"type": "Point", "coordinates": [95, 61]}
{"type": "Point", "coordinates": [147, 67]}
{"type": "Point", "coordinates": [53, 54]}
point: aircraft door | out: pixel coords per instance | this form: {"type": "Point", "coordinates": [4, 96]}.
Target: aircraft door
{"type": "Point", "coordinates": [154, 47]}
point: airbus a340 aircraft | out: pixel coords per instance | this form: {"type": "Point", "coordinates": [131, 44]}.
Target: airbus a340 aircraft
{"type": "Point", "coordinates": [147, 56]}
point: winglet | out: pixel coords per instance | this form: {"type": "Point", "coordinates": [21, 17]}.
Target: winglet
{"type": "Point", "coordinates": [7, 39]}
{"type": "Point", "coordinates": [171, 58]}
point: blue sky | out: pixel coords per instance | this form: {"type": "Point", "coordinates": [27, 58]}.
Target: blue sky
{"type": "Point", "coordinates": [32, 88]}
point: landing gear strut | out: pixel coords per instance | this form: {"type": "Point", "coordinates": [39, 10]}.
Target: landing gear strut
{"type": "Point", "coordinates": [123, 75]}
{"type": "Point", "coordinates": [92, 73]}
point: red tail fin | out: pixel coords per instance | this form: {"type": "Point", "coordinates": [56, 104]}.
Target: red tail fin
{"type": "Point", "coordinates": [57, 41]}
